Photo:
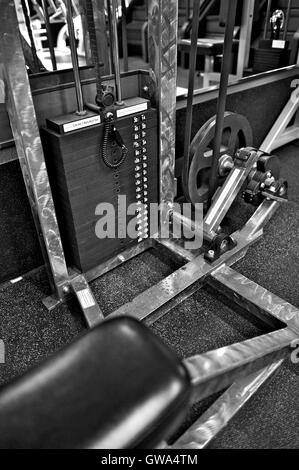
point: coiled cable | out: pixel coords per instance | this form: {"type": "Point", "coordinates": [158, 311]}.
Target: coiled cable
{"type": "Point", "coordinates": [108, 130]}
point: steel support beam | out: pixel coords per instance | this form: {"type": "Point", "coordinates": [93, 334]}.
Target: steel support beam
{"type": "Point", "coordinates": [253, 297]}
{"type": "Point", "coordinates": [213, 371]}
{"type": "Point", "coordinates": [26, 135]}
{"type": "Point", "coordinates": [214, 420]}
{"type": "Point", "coordinates": [162, 32]}
{"type": "Point", "coordinates": [197, 270]}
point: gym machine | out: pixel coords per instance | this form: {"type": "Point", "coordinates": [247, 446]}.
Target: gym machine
{"type": "Point", "coordinates": [243, 367]}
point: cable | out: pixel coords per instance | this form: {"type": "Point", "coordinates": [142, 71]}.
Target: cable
{"type": "Point", "coordinates": [221, 103]}
{"type": "Point", "coordinates": [30, 34]}
{"type": "Point", "coordinates": [94, 49]}
{"type": "Point", "coordinates": [189, 111]}
{"type": "Point", "coordinates": [108, 130]}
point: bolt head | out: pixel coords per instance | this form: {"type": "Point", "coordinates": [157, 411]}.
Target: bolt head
{"type": "Point", "coordinates": [211, 253]}
{"type": "Point", "coordinates": [66, 289]}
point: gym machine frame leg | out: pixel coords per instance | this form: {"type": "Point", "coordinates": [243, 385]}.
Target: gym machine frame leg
{"type": "Point", "coordinates": [162, 31]}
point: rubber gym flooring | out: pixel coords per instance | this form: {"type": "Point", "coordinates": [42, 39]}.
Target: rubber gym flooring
{"type": "Point", "coordinates": [201, 323]}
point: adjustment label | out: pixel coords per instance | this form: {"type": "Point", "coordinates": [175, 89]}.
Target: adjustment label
{"type": "Point", "coordinates": [278, 44]}
{"type": "Point", "coordinates": [73, 126]}
{"type": "Point", "coordinates": [132, 109]}
{"type": "Point", "coordinates": [85, 298]}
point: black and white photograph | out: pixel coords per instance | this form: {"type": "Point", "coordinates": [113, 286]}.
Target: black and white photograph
{"type": "Point", "coordinates": [149, 228]}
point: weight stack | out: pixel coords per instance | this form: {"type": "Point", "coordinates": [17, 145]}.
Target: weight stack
{"type": "Point", "coordinates": [81, 181]}
{"type": "Point", "coordinates": [267, 57]}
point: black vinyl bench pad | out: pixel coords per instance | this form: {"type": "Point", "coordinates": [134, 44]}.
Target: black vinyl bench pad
{"type": "Point", "coordinates": [116, 386]}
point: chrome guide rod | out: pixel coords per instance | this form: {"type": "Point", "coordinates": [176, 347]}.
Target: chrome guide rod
{"type": "Point", "coordinates": [74, 55]}
{"type": "Point", "coordinates": [253, 297]}
{"type": "Point", "coordinates": [115, 51]}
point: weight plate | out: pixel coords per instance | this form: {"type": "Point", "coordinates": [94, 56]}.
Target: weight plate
{"type": "Point", "coordinates": [237, 133]}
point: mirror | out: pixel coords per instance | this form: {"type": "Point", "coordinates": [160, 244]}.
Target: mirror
{"type": "Point", "coordinates": [266, 37]}
{"type": "Point", "coordinates": [44, 34]}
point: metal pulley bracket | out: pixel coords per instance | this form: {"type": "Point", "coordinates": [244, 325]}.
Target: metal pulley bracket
{"type": "Point", "coordinates": [263, 181]}
{"type": "Point", "coordinates": [255, 166]}
{"type": "Point", "coordinates": [220, 245]}
{"type": "Point", "coordinates": [236, 133]}
{"type": "Point", "coordinates": [245, 160]}
{"type": "Point", "coordinates": [106, 98]}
